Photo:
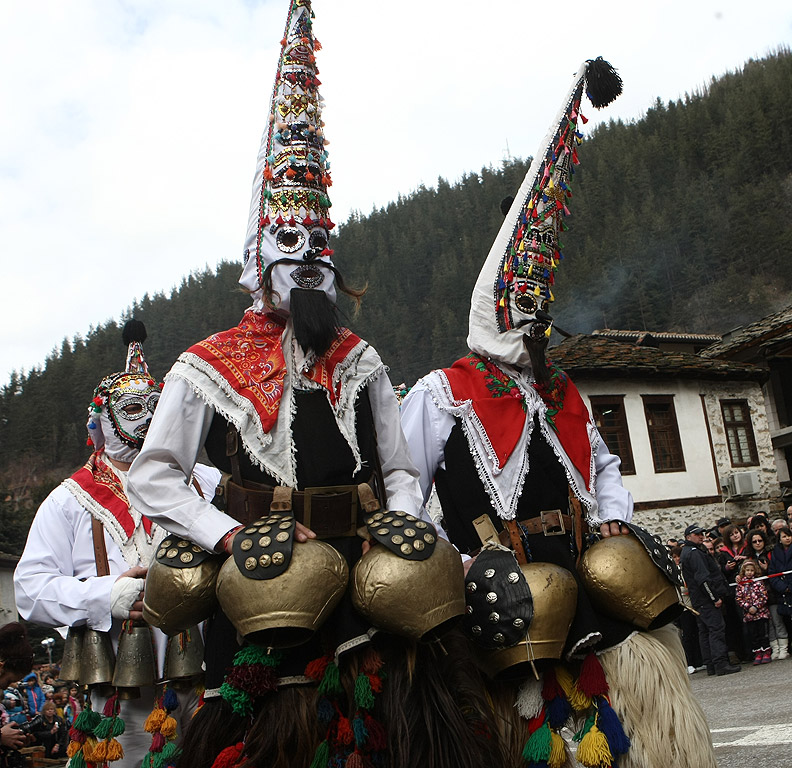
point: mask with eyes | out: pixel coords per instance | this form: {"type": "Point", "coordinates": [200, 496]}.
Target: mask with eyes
{"type": "Point", "coordinates": [509, 313]}
{"type": "Point", "coordinates": [124, 402]}
{"type": "Point", "coordinates": [289, 224]}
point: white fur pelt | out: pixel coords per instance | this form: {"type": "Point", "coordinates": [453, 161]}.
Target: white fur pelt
{"type": "Point", "coordinates": [651, 693]}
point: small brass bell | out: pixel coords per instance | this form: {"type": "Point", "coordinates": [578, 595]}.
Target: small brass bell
{"type": "Point", "coordinates": [136, 662]}
{"type": "Point", "coordinates": [72, 653]}
{"type": "Point", "coordinates": [97, 659]}
{"type": "Point", "coordinates": [184, 655]}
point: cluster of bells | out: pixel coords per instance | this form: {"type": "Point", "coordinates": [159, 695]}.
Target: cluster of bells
{"type": "Point", "coordinates": [387, 589]}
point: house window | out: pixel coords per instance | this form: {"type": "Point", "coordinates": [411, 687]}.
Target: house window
{"type": "Point", "coordinates": [611, 422]}
{"type": "Point", "coordinates": [663, 433]}
{"type": "Point", "coordinates": [739, 433]}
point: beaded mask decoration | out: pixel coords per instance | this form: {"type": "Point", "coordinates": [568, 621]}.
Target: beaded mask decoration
{"type": "Point", "coordinates": [289, 212]}
{"type": "Point", "coordinates": [518, 276]}
{"type": "Point", "coordinates": [124, 402]}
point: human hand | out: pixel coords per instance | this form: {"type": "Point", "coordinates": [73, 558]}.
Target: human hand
{"type": "Point", "coordinates": [126, 597]}
{"type": "Point", "coordinates": [56, 747]}
{"type": "Point", "coordinates": [303, 534]}
{"type": "Point", "coordinates": [752, 610]}
{"type": "Point", "coordinates": [718, 603]}
{"type": "Point", "coordinates": [731, 565]}
{"type": "Point", "coordinates": [614, 528]}
{"type": "Point", "coordinates": [11, 737]}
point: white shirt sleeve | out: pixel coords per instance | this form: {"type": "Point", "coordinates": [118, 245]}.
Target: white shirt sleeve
{"type": "Point", "coordinates": [614, 501]}
{"type": "Point", "coordinates": [159, 479]}
{"type": "Point", "coordinates": [55, 581]}
{"type": "Point", "coordinates": [400, 474]}
{"type": "Point", "coordinates": [426, 429]}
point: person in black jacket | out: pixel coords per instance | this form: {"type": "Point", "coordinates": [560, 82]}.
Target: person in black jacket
{"type": "Point", "coordinates": [707, 588]}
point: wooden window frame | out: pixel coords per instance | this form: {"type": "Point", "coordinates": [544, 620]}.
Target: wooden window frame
{"type": "Point", "coordinates": [733, 426]}
{"type": "Point", "coordinates": [664, 434]}
{"type": "Point", "coordinates": [623, 446]}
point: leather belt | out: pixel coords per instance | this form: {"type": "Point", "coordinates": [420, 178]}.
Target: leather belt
{"type": "Point", "coordinates": [550, 522]}
{"type": "Point", "coordinates": [329, 511]}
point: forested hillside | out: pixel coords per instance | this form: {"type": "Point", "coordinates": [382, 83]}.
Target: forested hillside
{"type": "Point", "coordinates": [680, 221]}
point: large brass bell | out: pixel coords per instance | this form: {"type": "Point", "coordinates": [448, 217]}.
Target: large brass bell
{"type": "Point", "coordinates": [72, 654]}
{"type": "Point", "coordinates": [136, 665]}
{"type": "Point", "coordinates": [184, 655]}
{"type": "Point", "coordinates": [412, 598]}
{"type": "Point", "coordinates": [554, 594]}
{"type": "Point", "coordinates": [285, 611]}
{"type": "Point", "coordinates": [624, 583]}
{"type": "Point", "coordinates": [175, 599]}
{"type": "Point", "coordinates": [97, 659]}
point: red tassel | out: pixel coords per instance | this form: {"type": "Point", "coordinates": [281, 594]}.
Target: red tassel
{"type": "Point", "coordinates": [229, 757]}
{"type": "Point", "coordinates": [309, 176]}
{"type": "Point", "coordinates": [316, 668]}
{"type": "Point", "coordinates": [317, 45]}
{"type": "Point", "coordinates": [344, 730]}
{"type": "Point", "coordinates": [328, 252]}
{"type": "Point", "coordinates": [279, 221]}
{"type": "Point", "coordinates": [265, 220]}
{"type": "Point", "coordinates": [292, 221]}
{"type": "Point", "coordinates": [592, 680]}
{"type": "Point", "coordinates": [110, 707]}
{"type": "Point", "coordinates": [551, 688]}
{"type": "Point", "coordinates": [89, 442]}
{"type": "Point", "coordinates": [375, 681]}
{"type": "Point", "coordinates": [536, 722]}
{"type": "Point", "coordinates": [290, 173]}
{"type": "Point", "coordinates": [377, 739]}
{"type": "Point", "coordinates": [158, 741]}
{"type": "Point", "coordinates": [584, 119]}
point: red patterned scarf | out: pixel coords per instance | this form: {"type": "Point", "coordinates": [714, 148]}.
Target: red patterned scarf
{"type": "Point", "coordinates": [500, 407]}
{"type": "Point", "coordinates": [99, 481]}
{"type": "Point", "coordinates": [250, 359]}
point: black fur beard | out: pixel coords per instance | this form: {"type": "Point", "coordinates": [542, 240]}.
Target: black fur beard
{"type": "Point", "coordinates": [536, 352]}
{"type": "Point", "coordinates": [315, 320]}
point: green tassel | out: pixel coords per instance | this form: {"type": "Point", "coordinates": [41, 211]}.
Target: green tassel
{"type": "Point", "coordinates": [119, 726]}
{"type": "Point", "coordinates": [78, 761]}
{"type": "Point", "coordinates": [537, 748]}
{"type": "Point", "coordinates": [257, 654]}
{"type": "Point", "coordinates": [364, 696]}
{"type": "Point", "coordinates": [331, 682]}
{"type": "Point", "coordinates": [240, 701]}
{"type": "Point", "coordinates": [87, 720]}
{"type": "Point", "coordinates": [104, 729]}
{"type": "Point", "coordinates": [321, 756]}
{"type": "Point", "coordinates": [590, 720]}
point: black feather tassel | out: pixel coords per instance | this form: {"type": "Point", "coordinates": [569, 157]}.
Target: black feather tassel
{"type": "Point", "coordinates": [134, 330]}
{"type": "Point", "coordinates": [603, 83]}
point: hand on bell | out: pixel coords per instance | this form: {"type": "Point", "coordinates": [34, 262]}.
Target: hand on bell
{"type": "Point", "coordinates": [303, 534]}
{"type": "Point", "coordinates": [614, 528]}
{"type": "Point", "coordinates": [126, 597]}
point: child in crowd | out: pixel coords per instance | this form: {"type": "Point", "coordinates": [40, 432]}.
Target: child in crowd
{"type": "Point", "coordinates": [752, 598]}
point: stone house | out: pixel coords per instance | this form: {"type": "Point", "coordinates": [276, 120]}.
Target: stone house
{"type": "Point", "coordinates": [692, 431]}
{"type": "Point", "coordinates": [768, 343]}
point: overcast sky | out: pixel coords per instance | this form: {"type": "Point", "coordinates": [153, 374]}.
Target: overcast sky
{"type": "Point", "coordinates": [129, 130]}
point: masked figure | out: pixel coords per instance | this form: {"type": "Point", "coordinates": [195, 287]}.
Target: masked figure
{"type": "Point", "coordinates": [509, 444]}
{"type": "Point", "coordinates": [298, 411]}
{"type": "Point", "coordinates": [84, 564]}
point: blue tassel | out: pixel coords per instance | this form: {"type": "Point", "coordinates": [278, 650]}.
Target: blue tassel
{"type": "Point", "coordinates": [558, 711]}
{"type": "Point", "coordinates": [359, 729]}
{"type": "Point", "coordinates": [170, 700]}
{"type": "Point", "coordinates": [325, 711]}
{"type": "Point", "coordinates": [610, 725]}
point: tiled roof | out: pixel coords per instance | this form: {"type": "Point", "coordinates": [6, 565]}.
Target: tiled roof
{"type": "Point", "coordinates": [602, 357]}
{"type": "Point", "coordinates": [761, 334]}
{"type": "Point", "coordinates": [640, 337]}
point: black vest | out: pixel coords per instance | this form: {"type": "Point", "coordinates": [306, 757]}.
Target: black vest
{"type": "Point", "coordinates": [464, 498]}
{"type": "Point", "coordinates": [322, 454]}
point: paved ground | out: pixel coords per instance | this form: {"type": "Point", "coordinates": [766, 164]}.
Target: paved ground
{"type": "Point", "coordinates": [750, 714]}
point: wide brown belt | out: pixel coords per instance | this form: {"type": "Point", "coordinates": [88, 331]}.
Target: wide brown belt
{"type": "Point", "coordinates": [329, 511]}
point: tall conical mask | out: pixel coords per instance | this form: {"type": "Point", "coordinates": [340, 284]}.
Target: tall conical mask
{"type": "Point", "coordinates": [289, 212]}
{"type": "Point", "coordinates": [514, 290]}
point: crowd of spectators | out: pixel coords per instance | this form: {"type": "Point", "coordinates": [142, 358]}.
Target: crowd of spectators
{"type": "Point", "coordinates": [745, 588]}
{"type": "Point", "coordinates": [37, 709]}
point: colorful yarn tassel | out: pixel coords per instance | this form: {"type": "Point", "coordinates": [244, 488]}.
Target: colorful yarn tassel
{"type": "Point", "coordinates": [593, 751]}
